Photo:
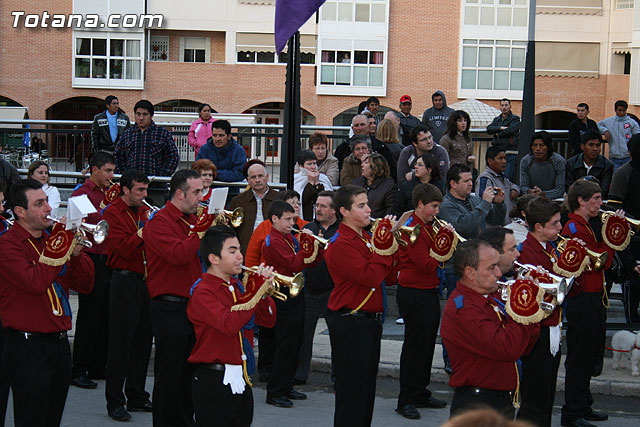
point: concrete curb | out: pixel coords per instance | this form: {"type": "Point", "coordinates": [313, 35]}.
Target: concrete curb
{"type": "Point", "coordinates": [605, 386]}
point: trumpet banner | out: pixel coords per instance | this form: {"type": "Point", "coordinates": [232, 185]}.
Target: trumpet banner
{"type": "Point", "coordinates": [110, 196]}
{"type": "Point", "coordinates": [523, 303]}
{"type": "Point", "coordinates": [383, 239]}
{"type": "Point", "coordinates": [309, 248]}
{"type": "Point", "coordinates": [572, 261]}
{"type": "Point", "coordinates": [204, 221]}
{"type": "Point", "coordinates": [444, 244]}
{"type": "Point", "coordinates": [616, 232]}
{"type": "Point", "coordinates": [58, 246]}
{"type": "Point", "coordinates": [255, 287]}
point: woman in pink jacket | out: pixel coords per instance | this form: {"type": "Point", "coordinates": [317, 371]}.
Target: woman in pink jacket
{"type": "Point", "coordinates": [200, 130]}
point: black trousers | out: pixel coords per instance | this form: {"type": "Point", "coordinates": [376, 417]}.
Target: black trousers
{"type": "Point", "coordinates": [314, 307]}
{"type": "Point", "coordinates": [466, 398]}
{"type": "Point", "coordinates": [4, 381]}
{"type": "Point", "coordinates": [356, 351]}
{"type": "Point", "coordinates": [214, 403]}
{"type": "Point", "coordinates": [420, 309]}
{"type": "Point", "coordinates": [266, 349]}
{"type": "Point", "coordinates": [174, 338]}
{"type": "Point", "coordinates": [130, 340]}
{"type": "Point", "coordinates": [289, 320]}
{"type": "Point", "coordinates": [585, 330]}
{"type": "Point", "coordinates": [631, 299]}
{"type": "Point", "coordinates": [538, 383]}
{"type": "Point", "coordinates": [38, 369]}
{"type": "Point", "coordinates": [92, 324]}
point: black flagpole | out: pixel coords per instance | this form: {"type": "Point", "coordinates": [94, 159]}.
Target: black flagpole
{"type": "Point", "coordinates": [291, 131]}
{"type": "Point", "coordinates": [528, 127]}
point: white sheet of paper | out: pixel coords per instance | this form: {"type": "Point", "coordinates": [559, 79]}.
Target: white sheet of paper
{"type": "Point", "coordinates": [78, 207]}
{"type": "Point", "coordinates": [218, 199]}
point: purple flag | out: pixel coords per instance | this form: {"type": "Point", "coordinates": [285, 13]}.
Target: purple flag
{"type": "Point", "coordinates": [290, 15]}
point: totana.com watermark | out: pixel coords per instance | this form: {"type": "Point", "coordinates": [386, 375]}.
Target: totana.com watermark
{"type": "Point", "coordinates": [46, 20]}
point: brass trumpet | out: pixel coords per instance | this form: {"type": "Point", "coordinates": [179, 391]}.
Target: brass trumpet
{"type": "Point", "coordinates": [503, 287]}
{"type": "Point", "coordinates": [99, 231]}
{"type": "Point", "coordinates": [413, 232]}
{"type": "Point", "coordinates": [635, 223]}
{"type": "Point", "coordinates": [235, 217]}
{"type": "Point", "coordinates": [560, 287]}
{"type": "Point", "coordinates": [440, 223]}
{"type": "Point", "coordinates": [295, 283]}
{"type": "Point", "coordinates": [324, 242]}
{"type": "Point", "coordinates": [598, 259]}
{"type": "Point", "coordinates": [153, 209]}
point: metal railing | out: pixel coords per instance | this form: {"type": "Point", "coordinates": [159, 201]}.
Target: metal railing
{"type": "Point", "coordinates": [67, 143]}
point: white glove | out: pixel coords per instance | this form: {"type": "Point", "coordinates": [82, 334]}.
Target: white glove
{"type": "Point", "coordinates": [554, 338]}
{"type": "Point", "coordinates": [234, 378]}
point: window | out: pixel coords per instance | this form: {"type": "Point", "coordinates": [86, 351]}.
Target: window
{"type": "Point", "coordinates": [352, 68]}
{"type": "Point", "coordinates": [358, 11]}
{"type": "Point", "coordinates": [493, 64]}
{"type": "Point", "coordinates": [194, 49]}
{"type": "Point", "coordinates": [260, 48]}
{"type": "Point", "coordinates": [624, 4]}
{"type": "Point", "coordinates": [159, 48]}
{"type": "Point", "coordinates": [502, 13]}
{"type": "Point", "coordinates": [106, 61]}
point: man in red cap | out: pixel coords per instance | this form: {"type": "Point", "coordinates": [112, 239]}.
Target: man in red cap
{"type": "Point", "coordinates": [407, 120]}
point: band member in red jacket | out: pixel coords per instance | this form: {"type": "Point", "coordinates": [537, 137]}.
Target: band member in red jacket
{"type": "Point", "coordinates": [92, 328]}
{"type": "Point", "coordinates": [359, 264]}
{"type": "Point", "coordinates": [221, 387]}
{"type": "Point", "coordinates": [129, 318]}
{"type": "Point", "coordinates": [419, 302]}
{"type": "Point", "coordinates": [284, 253]}
{"type": "Point", "coordinates": [173, 266]}
{"type": "Point", "coordinates": [540, 367]}
{"type": "Point", "coordinates": [586, 308]}
{"type": "Point", "coordinates": [34, 306]}
{"type": "Point", "coordinates": [484, 344]}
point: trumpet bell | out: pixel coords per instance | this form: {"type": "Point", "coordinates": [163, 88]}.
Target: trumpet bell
{"type": "Point", "coordinates": [236, 217]}
{"type": "Point", "coordinates": [100, 231]}
{"type": "Point", "coordinates": [413, 232]}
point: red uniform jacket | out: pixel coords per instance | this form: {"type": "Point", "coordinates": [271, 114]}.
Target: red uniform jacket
{"type": "Point", "coordinates": [533, 253]}
{"type": "Point", "coordinates": [281, 253]}
{"type": "Point", "coordinates": [172, 255]}
{"type": "Point", "coordinates": [125, 247]}
{"type": "Point", "coordinates": [217, 328]}
{"type": "Point", "coordinates": [589, 281]}
{"type": "Point", "coordinates": [96, 195]}
{"type": "Point", "coordinates": [25, 304]}
{"type": "Point", "coordinates": [482, 345]}
{"type": "Point", "coordinates": [355, 270]}
{"type": "Point", "coordinates": [418, 269]}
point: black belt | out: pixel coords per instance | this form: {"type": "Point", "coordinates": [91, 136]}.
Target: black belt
{"type": "Point", "coordinates": [42, 335]}
{"type": "Point", "coordinates": [99, 256]}
{"type": "Point", "coordinates": [359, 313]}
{"type": "Point", "coordinates": [479, 391]}
{"type": "Point", "coordinates": [130, 274]}
{"type": "Point", "coordinates": [213, 366]}
{"type": "Point", "coordinates": [171, 298]}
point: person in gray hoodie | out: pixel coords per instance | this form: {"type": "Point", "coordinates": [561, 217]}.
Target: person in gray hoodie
{"type": "Point", "coordinates": [618, 130]}
{"type": "Point", "coordinates": [435, 118]}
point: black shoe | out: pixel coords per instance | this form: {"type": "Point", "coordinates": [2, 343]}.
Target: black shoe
{"type": "Point", "coordinates": [432, 402]}
{"type": "Point", "coordinates": [83, 381]}
{"type": "Point", "coordinates": [280, 402]}
{"type": "Point", "coordinates": [119, 414]}
{"type": "Point", "coordinates": [299, 382]}
{"type": "Point", "coordinates": [296, 395]}
{"type": "Point", "coordinates": [264, 377]}
{"type": "Point", "coordinates": [145, 407]}
{"type": "Point", "coordinates": [409, 411]}
{"type": "Point", "coordinates": [447, 368]}
{"type": "Point", "coordinates": [596, 416]}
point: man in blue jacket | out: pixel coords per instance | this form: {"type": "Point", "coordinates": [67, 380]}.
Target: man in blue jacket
{"type": "Point", "coordinates": [225, 152]}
